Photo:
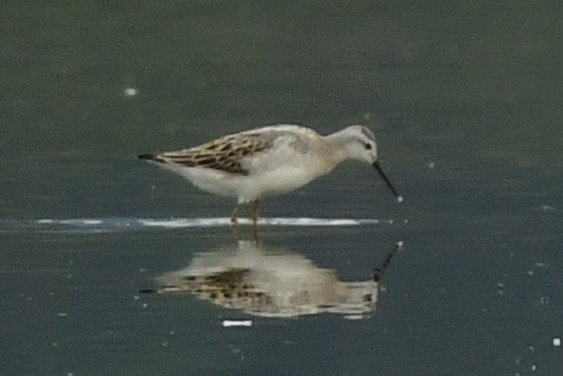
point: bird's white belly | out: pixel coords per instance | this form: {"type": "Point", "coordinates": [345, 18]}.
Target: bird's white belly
{"type": "Point", "coordinates": [247, 188]}
{"type": "Point", "coordinates": [272, 183]}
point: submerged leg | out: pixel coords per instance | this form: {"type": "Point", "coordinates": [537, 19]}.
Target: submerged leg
{"type": "Point", "coordinates": [255, 234]}
{"type": "Point", "coordinates": [236, 231]}
{"type": "Point", "coordinates": [255, 210]}
{"type": "Point", "coordinates": [235, 214]}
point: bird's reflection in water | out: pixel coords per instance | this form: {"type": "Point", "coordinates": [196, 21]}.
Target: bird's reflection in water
{"type": "Point", "coordinates": [271, 282]}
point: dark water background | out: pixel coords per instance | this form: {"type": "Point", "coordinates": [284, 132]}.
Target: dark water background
{"type": "Point", "coordinates": [465, 98]}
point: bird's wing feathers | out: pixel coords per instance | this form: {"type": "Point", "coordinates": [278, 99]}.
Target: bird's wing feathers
{"type": "Point", "coordinates": [229, 153]}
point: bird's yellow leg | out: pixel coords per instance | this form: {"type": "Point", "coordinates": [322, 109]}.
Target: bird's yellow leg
{"type": "Point", "coordinates": [255, 211]}
{"type": "Point", "coordinates": [234, 214]}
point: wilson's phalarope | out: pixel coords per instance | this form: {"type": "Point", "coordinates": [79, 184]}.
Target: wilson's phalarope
{"type": "Point", "coordinates": [269, 161]}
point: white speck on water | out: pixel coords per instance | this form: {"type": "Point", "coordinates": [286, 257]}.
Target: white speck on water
{"type": "Point", "coordinates": [354, 317]}
{"type": "Point", "coordinates": [136, 297]}
{"type": "Point", "coordinates": [533, 368]}
{"type": "Point", "coordinates": [69, 275]}
{"type": "Point", "coordinates": [431, 164]}
{"type": "Point", "coordinates": [171, 332]}
{"type": "Point", "coordinates": [400, 244]}
{"type": "Point", "coordinates": [556, 342]}
{"type": "Point", "coordinates": [544, 300]}
{"type": "Point", "coordinates": [69, 374]}
{"type": "Point", "coordinates": [142, 270]}
{"type": "Point", "coordinates": [233, 348]}
{"type": "Point", "coordinates": [530, 273]}
{"type": "Point", "coordinates": [400, 199]}
{"type": "Point", "coordinates": [164, 344]}
{"type": "Point", "coordinates": [130, 92]}
{"type": "Point", "coordinates": [145, 305]}
{"type": "Point", "coordinates": [54, 344]}
{"type": "Point", "coordinates": [237, 323]}
{"type": "Point", "coordinates": [546, 208]}
{"type": "Point", "coordinates": [62, 314]}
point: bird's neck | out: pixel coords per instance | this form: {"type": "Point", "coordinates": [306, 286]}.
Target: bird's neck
{"type": "Point", "coordinates": [336, 147]}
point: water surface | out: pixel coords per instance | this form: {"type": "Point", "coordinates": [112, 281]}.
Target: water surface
{"type": "Point", "coordinates": [464, 98]}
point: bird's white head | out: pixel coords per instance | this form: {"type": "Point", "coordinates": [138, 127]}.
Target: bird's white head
{"type": "Point", "coordinates": [360, 144]}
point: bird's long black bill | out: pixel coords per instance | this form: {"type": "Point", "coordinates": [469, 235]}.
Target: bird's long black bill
{"type": "Point", "coordinates": [387, 181]}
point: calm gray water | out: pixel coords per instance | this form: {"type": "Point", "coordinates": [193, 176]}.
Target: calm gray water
{"type": "Point", "coordinates": [465, 99]}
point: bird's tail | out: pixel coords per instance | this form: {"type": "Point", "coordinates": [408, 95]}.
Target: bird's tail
{"type": "Point", "coordinates": [151, 157]}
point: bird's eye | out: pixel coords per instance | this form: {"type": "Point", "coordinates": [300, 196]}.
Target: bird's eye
{"type": "Point", "coordinates": [368, 146]}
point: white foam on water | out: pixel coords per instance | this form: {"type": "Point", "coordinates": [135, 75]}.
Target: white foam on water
{"type": "Point", "coordinates": [217, 222]}
{"type": "Point", "coordinates": [185, 222]}
{"type": "Point", "coordinates": [73, 221]}
{"type": "Point", "coordinates": [116, 224]}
